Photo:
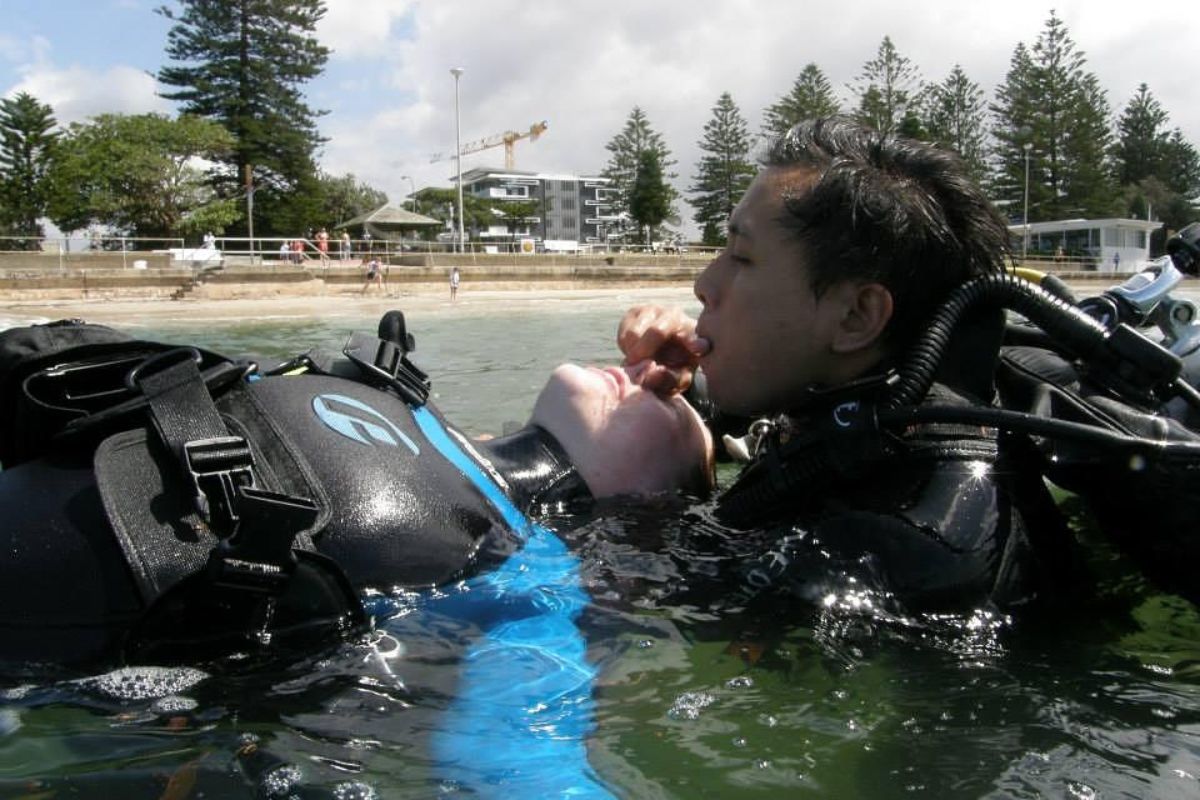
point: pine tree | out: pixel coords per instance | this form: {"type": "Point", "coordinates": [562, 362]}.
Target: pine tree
{"type": "Point", "coordinates": [242, 63]}
{"type": "Point", "coordinates": [1159, 171]}
{"type": "Point", "coordinates": [811, 96]}
{"type": "Point", "coordinates": [27, 147]}
{"type": "Point", "coordinates": [888, 88]}
{"type": "Point", "coordinates": [1141, 139]}
{"type": "Point", "coordinates": [1051, 103]}
{"type": "Point", "coordinates": [725, 170]}
{"type": "Point", "coordinates": [955, 117]}
{"type": "Point", "coordinates": [1181, 166]}
{"type": "Point", "coordinates": [650, 196]}
{"type": "Point", "coordinates": [626, 150]}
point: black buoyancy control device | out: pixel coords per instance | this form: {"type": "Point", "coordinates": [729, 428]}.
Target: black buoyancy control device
{"type": "Point", "coordinates": [180, 509]}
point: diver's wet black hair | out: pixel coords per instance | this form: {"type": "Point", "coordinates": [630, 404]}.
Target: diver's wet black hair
{"type": "Point", "coordinates": [888, 209]}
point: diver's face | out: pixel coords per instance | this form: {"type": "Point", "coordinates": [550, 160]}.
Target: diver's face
{"type": "Point", "coordinates": [623, 440]}
{"type": "Point", "coordinates": [769, 333]}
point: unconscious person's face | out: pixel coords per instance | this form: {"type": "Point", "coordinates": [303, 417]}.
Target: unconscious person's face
{"type": "Point", "coordinates": [624, 440]}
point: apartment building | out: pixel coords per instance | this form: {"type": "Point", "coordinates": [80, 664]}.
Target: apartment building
{"type": "Point", "coordinates": [551, 212]}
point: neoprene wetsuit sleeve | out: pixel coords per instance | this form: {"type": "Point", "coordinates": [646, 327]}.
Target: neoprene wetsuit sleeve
{"type": "Point", "coordinates": [535, 468]}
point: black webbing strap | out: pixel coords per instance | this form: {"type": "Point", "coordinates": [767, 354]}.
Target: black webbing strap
{"type": "Point", "coordinates": [256, 528]}
{"type": "Point", "coordinates": [215, 463]}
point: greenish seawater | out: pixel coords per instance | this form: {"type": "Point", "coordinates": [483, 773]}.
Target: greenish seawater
{"type": "Point", "coordinates": [696, 696]}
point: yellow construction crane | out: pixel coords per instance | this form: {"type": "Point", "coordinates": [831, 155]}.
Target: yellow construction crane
{"type": "Point", "coordinates": [508, 139]}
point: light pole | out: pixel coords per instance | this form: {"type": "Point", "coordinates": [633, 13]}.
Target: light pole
{"type": "Point", "coordinates": [413, 194]}
{"type": "Point", "coordinates": [457, 73]}
{"type": "Point", "coordinates": [1025, 215]}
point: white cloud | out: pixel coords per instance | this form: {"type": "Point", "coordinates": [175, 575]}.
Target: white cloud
{"type": "Point", "coordinates": [358, 29]}
{"type": "Point", "coordinates": [584, 67]}
{"type": "Point", "coordinates": [76, 93]}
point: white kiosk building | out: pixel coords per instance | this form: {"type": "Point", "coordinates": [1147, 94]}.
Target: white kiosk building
{"type": "Point", "coordinates": [1103, 245]}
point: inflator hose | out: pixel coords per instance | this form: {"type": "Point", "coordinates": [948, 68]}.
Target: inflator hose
{"type": "Point", "coordinates": [1071, 329]}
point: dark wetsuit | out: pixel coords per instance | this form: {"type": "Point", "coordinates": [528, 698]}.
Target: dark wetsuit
{"type": "Point", "coordinates": [90, 540]}
{"type": "Point", "coordinates": [950, 519]}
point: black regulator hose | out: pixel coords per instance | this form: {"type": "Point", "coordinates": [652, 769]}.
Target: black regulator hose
{"type": "Point", "coordinates": [1072, 329]}
{"type": "Point", "coordinates": [1119, 358]}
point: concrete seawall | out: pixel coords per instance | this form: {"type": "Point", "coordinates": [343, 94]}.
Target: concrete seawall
{"type": "Point", "coordinates": [102, 276]}
{"type": "Point", "coordinates": [36, 282]}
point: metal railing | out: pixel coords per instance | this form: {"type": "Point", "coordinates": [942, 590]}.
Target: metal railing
{"type": "Point", "coordinates": [284, 250]}
{"type": "Point", "coordinates": [81, 247]}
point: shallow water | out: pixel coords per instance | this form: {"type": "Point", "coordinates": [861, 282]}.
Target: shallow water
{"type": "Point", "coordinates": [697, 695]}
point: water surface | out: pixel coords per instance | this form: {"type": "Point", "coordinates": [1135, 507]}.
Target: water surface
{"type": "Point", "coordinates": [699, 694]}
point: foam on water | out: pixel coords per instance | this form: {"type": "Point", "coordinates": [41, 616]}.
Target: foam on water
{"type": "Point", "coordinates": [142, 683]}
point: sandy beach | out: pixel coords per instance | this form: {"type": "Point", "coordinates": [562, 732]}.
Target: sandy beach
{"type": "Point", "coordinates": [410, 299]}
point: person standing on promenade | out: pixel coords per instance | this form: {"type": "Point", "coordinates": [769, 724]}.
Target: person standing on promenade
{"type": "Point", "coordinates": [455, 279]}
{"type": "Point", "coordinates": [323, 246]}
{"type": "Point", "coordinates": [346, 246]}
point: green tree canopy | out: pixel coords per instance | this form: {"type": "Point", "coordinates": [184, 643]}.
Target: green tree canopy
{"type": "Point", "coordinates": [811, 96]}
{"type": "Point", "coordinates": [27, 148]}
{"type": "Point", "coordinates": [241, 63]}
{"type": "Point", "coordinates": [649, 200]}
{"type": "Point", "coordinates": [889, 89]}
{"type": "Point", "coordinates": [725, 170]}
{"type": "Point", "coordinates": [1049, 102]}
{"type": "Point", "coordinates": [626, 150]}
{"type": "Point", "coordinates": [1141, 143]}
{"type": "Point", "coordinates": [956, 117]}
{"type": "Point", "coordinates": [141, 175]}
{"type": "Point", "coordinates": [443, 204]}
{"type": "Point", "coordinates": [345, 197]}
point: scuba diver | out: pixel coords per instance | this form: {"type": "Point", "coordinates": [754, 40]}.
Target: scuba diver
{"type": "Point", "coordinates": [897, 425]}
{"type": "Point", "coordinates": [167, 504]}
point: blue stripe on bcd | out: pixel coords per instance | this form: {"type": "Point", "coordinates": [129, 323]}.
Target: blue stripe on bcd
{"type": "Point", "coordinates": [518, 723]}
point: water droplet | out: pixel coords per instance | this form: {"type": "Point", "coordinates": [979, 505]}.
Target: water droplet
{"type": "Point", "coordinates": [355, 790]}
{"type": "Point", "coordinates": [280, 781]}
{"type": "Point", "coordinates": [173, 704]}
{"type": "Point", "coordinates": [740, 682]}
{"type": "Point", "coordinates": [689, 704]}
{"type": "Point", "coordinates": [1080, 790]}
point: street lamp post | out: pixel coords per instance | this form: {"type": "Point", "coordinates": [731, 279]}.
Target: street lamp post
{"type": "Point", "coordinates": [1025, 215]}
{"type": "Point", "coordinates": [413, 195]}
{"type": "Point", "coordinates": [457, 73]}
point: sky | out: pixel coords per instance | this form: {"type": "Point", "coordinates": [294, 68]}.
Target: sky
{"type": "Point", "coordinates": [582, 67]}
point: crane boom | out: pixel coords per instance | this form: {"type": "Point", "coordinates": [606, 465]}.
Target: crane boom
{"type": "Point", "coordinates": [508, 139]}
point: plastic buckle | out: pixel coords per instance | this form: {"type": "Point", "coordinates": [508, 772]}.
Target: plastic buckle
{"type": "Point", "coordinates": [259, 557]}
{"type": "Point", "coordinates": [218, 467]}
{"type": "Point", "coordinates": [388, 362]}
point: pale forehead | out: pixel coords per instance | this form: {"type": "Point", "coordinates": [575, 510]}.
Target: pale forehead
{"type": "Point", "coordinates": [762, 204]}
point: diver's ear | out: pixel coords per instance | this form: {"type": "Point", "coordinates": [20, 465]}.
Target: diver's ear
{"type": "Point", "coordinates": [865, 310]}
